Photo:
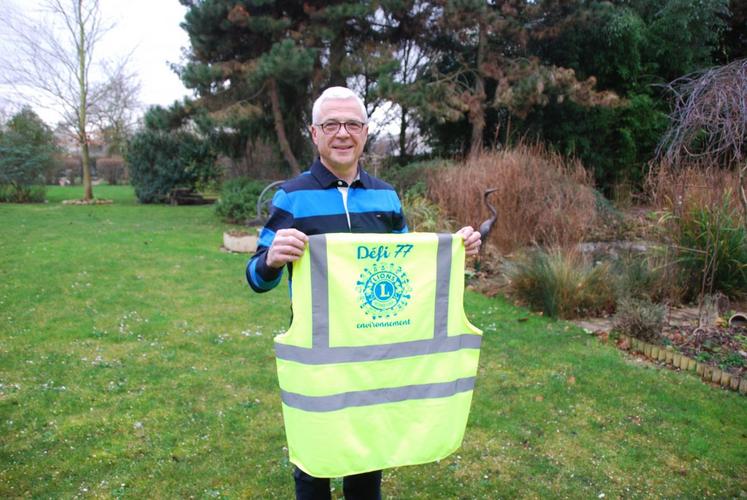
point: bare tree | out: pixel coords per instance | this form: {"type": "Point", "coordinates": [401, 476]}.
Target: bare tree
{"type": "Point", "coordinates": [709, 121]}
{"type": "Point", "coordinates": [116, 105]}
{"type": "Point", "coordinates": [52, 61]}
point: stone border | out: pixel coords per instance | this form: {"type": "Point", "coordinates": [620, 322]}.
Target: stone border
{"type": "Point", "coordinates": [708, 373]}
{"type": "Point", "coordinates": [94, 201]}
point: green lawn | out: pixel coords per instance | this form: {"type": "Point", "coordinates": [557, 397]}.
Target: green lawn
{"type": "Point", "coordinates": [135, 362]}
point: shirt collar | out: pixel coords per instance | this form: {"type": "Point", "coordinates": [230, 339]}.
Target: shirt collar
{"type": "Point", "coordinates": [327, 179]}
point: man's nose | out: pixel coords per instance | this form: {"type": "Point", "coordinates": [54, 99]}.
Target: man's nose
{"type": "Point", "coordinates": [343, 132]}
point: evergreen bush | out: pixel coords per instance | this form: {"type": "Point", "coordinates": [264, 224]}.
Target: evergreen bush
{"type": "Point", "coordinates": [27, 151]}
{"type": "Point", "coordinates": [159, 161]}
{"type": "Point", "coordinates": [22, 194]}
{"type": "Point", "coordinates": [412, 177]}
{"type": "Point", "coordinates": [238, 200]}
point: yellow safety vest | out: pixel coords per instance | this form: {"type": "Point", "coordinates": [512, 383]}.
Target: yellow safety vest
{"type": "Point", "coordinates": [378, 366]}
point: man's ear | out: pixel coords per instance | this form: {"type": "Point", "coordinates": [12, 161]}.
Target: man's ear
{"type": "Point", "coordinates": [313, 131]}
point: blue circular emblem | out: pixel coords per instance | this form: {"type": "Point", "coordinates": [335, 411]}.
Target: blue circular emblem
{"type": "Point", "coordinates": [384, 290]}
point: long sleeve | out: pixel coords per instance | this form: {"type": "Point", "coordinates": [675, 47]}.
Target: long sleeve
{"type": "Point", "coordinates": [259, 275]}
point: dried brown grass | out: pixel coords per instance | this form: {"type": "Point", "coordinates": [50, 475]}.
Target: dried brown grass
{"type": "Point", "coordinates": [679, 190]}
{"type": "Point", "coordinates": [541, 197]}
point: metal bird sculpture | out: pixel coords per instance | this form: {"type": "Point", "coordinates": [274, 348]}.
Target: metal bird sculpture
{"type": "Point", "coordinates": [487, 226]}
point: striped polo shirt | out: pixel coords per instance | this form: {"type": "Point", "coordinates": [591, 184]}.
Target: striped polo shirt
{"type": "Point", "coordinates": [315, 202]}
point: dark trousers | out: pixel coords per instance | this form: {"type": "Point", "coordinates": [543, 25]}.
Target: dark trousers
{"type": "Point", "coordinates": [366, 486]}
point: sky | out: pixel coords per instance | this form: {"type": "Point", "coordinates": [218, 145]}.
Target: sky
{"type": "Point", "coordinates": [149, 30]}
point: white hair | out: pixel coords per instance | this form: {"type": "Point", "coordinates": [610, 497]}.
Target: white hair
{"type": "Point", "coordinates": [336, 93]}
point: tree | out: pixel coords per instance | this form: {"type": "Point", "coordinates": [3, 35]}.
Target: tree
{"type": "Point", "coordinates": [257, 65]}
{"type": "Point", "coordinates": [53, 62]}
{"type": "Point", "coordinates": [27, 151]}
{"type": "Point", "coordinates": [630, 48]}
{"type": "Point", "coordinates": [114, 113]}
{"type": "Point", "coordinates": [734, 42]}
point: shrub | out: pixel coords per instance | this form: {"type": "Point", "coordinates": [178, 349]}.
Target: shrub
{"type": "Point", "coordinates": [423, 215]}
{"type": "Point", "coordinates": [27, 151]}
{"type": "Point", "coordinates": [613, 142]}
{"type": "Point", "coordinates": [22, 194]}
{"type": "Point", "coordinates": [238, 200]}
{"type": "Point", "coordinates": [680, 190]}
{"type": "Point", "coordinates": [711, 247]}
{"type": "Point", "coordinates": [654, 276]}
{"type": "Point", "coordinates": [540, 198]}
{"type": "Point", "coordinates": [639, 318]}
{"type": "Point", "coordinates": [412, 177]}
{"type": "Point", "coordinates": [562, 283]}
{"type": "Point", "coordinates": [160, 161]}
{"type": "Point", "coordinates": [112, 169]}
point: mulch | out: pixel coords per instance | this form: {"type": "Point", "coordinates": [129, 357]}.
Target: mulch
{"type": "Point", "coordinates": [721, 346]}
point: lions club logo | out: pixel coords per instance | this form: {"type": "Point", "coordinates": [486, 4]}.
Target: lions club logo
{"type": "Point", "coordinates": [384, 290]}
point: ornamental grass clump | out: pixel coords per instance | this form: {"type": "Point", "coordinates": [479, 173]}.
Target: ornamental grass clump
{"type": "Point", "coordinates": [653, 275]}
{"type": "Point", "coordinates": [541, 197]}
{"type": "Point", "coordinates": [562, 283]}
{"type": "Point", "coordinates": [639, 318]}
{"type": "Point", "coordinates": [710, 245]}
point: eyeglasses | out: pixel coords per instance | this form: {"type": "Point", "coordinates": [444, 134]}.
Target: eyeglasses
{"type": "Point", "coordinates": [331, 128]}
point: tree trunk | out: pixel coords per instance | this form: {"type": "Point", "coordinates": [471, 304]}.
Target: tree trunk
{"type": "Point", "coordinates": [403, 136]}
{"type": "Point", "coordinates": [743, 195]}
{"type": "Point", "coordinates": [477, 102]}
{"type": "Point", "coordinates": [280, 128]}
{"type": "Point", "coordinates": [83, 106]}
{"type": "Point", "coordinates": [86, 160]}
{"type": "Point", "coordinates": [317, 80]}
{"type": "Point", "coordinates": [336, 57]}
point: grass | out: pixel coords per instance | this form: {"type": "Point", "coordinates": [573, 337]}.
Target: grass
{"type": "Point", "coordinates": [135, 362]}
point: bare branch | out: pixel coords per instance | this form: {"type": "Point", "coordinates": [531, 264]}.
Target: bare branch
{"type": "Point", "coordinates": [709, 120]}
{"type": "Point", "coordinates": [52, 63]}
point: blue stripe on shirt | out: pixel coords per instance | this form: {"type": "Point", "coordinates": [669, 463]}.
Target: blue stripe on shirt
{"type": "Point", "coordinates": [316, 202]}
{"type": "Point", "coordinates": [265, 237]}
{"type": "Point", "coordinates": [373, 200]}
{"type": "Point", "coordinates": [257, 279]}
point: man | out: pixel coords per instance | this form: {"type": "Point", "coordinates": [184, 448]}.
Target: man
{"type": "Point", "coordinates": [335, 195]}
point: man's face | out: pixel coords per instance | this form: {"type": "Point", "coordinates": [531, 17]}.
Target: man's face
{"type": "Point", "coordinates": [340, 151]}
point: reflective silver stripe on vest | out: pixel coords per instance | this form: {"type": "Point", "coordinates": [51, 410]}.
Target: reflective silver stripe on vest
{"type": "Point", "coordinates": [319, 292]}
{"type": "Point", "coordinates": [377, 396]}
{"type": "Point", "coordinates": [443, 277]}
{"type": "Point", "coordinates": [322, 353]}
{"type": "Point", "coordinates": [320, 356]}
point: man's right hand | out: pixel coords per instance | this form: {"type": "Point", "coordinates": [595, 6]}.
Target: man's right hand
{"type": "Point", "coordinates": [288, 246]}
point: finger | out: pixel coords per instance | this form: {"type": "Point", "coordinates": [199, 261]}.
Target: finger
{"type": "Point", "coordinates": [465, 232]}
{"type": "Point", "coordinates": [473, 238]}
{"type": "Point", "coordinates": [293, 242]}
{"type": "Point", "coordinates": [290, 249]}
{"type": "Point", "coordinates": [293, 233]}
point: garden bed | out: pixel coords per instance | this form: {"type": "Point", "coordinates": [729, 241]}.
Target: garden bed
{"type": "Point", "coordinates": [722, 347]}
{"type": "Point", "coordinates": [668, 356]}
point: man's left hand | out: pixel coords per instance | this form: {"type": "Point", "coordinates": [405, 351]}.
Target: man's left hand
{"type": "Point", "coordinates": [471, 238]}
